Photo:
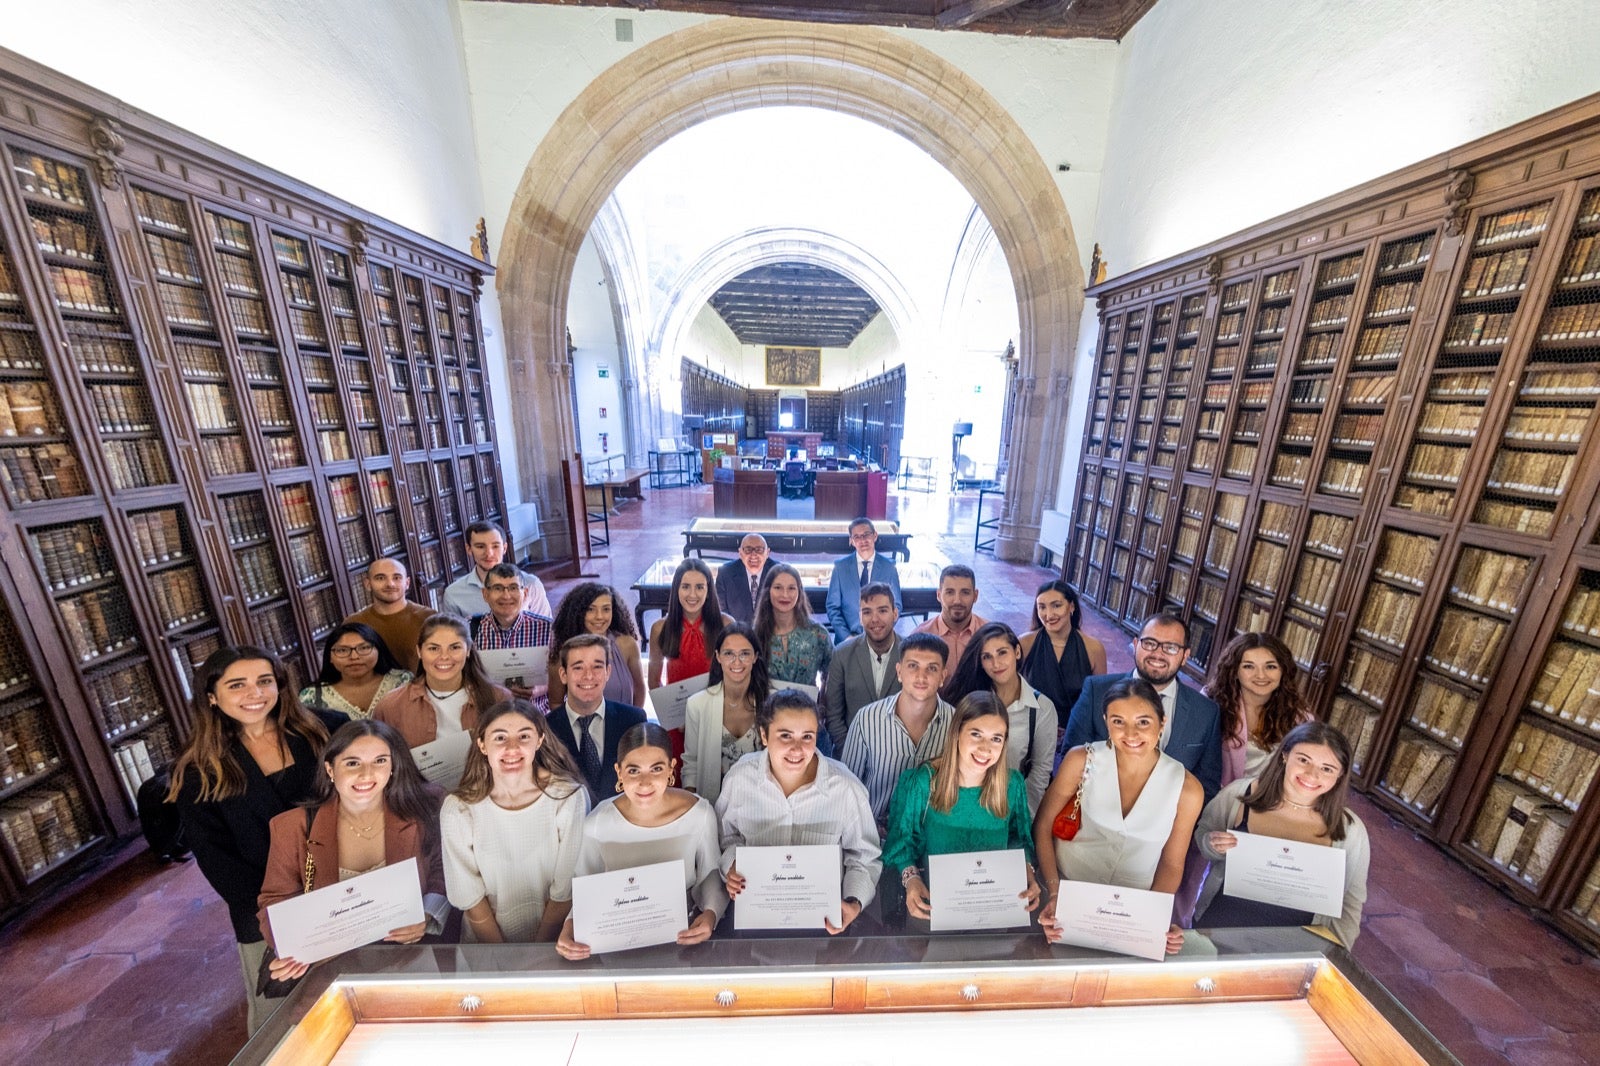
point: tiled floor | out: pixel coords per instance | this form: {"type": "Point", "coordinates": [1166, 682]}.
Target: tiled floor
{"type": "Point", "coordinates": [137, 963]}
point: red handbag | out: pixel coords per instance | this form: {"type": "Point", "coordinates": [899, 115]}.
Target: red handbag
{"type": "Point", "coordinates": [1070, 820]}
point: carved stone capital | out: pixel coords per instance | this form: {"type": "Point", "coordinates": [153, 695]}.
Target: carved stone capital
{"type": "Point", "coordinates": [105, 137]}
{"type": "Point", "coordinates": [358, 242]}
{"type": "Point", "coordinates": [1456, 194]}
{"type": "Point", "coordinates": [1214, 274]}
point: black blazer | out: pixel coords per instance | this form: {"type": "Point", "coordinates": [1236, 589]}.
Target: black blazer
{"type": "Point", "coordinates": [620, 718]}
{"type": "Point", "coordinates": [733, 589]}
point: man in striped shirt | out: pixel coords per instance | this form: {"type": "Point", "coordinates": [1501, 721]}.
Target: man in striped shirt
{"type": "Point", "coordinates": [507, 625]}
{"type": "Point", "coordinates": [899, 732]}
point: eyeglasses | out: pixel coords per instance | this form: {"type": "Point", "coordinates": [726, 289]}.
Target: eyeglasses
{"type": "Point", "coordinates": [857, 538]}
{"type": "Point", "coordinates": [1171, 647]}
{"type": "Point", "coordinates": [737, 656]}
{"type": "Point", "coordinates": [504, 588]}
{"type": "Point", "coordinates": [350, 651]}
{"type": "Point", "coordinates": [757, 550]}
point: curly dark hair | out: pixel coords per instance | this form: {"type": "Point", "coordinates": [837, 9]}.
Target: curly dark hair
{"type": "Point", "coordinates": [1286, 707]}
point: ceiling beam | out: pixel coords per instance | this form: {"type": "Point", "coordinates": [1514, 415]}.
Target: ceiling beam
{"type": "Point", "coordinates": [967, 12]}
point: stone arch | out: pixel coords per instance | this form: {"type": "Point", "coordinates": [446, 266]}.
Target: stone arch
{"type": "Point", "coordinates": [727, 65]}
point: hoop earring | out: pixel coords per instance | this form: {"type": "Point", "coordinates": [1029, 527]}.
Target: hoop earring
{"type": "Point", "coordinates": [618, 786]}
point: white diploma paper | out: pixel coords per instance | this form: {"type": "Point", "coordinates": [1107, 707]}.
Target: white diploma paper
{"type": "Point", "coordinates": [442, 759]}
{"type": "Point", "coordinates": [1303, 877]}
{"type": "Point", "coordinates": [1129, 921]}
{"type": "Point", "coordinates": [977, 890]}
{"type": "Point", "coordinates": [669, 701]}
{"type": "Point", "coordinates": [630, 908]}
{"type": "Point", "coordinates": [528, 667]}
{"type": "Point", "coordinates": [789, 887]}
{"type": "Point", "coordinates": [350, 914]}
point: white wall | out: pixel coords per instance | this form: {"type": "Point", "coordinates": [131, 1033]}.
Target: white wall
{"type": "Point", "coordinates": [593, 325]}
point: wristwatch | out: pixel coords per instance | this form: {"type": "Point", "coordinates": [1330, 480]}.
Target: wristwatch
{"type": "Point", "coordinates": [908, 873]}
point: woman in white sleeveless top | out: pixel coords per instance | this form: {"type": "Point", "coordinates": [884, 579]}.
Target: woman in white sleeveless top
{"type": "Point", "coordinates": [1138, 805]}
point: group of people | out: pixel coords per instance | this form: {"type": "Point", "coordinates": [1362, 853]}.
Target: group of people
{"type": "Point", "coordinates": [948, 740]}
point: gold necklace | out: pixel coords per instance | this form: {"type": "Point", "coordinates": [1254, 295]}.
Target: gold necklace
{"type": "Point", "coordinates": [1299, 806]}
{"type": "Point", "coordinates": [364, 832]}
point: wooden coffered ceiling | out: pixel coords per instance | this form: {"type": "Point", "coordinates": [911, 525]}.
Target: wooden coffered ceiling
{"type": "Point", "coordinates": [794, 305]}
{"type": "Point", "coordinates": [1104, 19]}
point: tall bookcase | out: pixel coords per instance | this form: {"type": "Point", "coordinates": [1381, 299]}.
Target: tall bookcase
{"type": "Point", "coordinates": [1369, 427]}
{"type": "Point", "coordinates": [222, 394]}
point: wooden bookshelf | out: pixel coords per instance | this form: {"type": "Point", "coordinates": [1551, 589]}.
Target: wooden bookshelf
{"type": "Point", "coordinates": [222, 394]}
{"type": "Point", "coordinates": [1369, 427]}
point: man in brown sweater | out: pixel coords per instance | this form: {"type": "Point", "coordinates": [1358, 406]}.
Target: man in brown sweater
{"type": "Point", "coordinates": [397, 620]}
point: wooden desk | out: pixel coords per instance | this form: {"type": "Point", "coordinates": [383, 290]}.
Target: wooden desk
{"type": "Point", "coordinates": [841, 494]}
{"type": "Point", "coordinates": [793, 538]}
{"type": "Point", "coordinates": [749, 494]}
{"type": "Point", "coordinates": [625, 485]}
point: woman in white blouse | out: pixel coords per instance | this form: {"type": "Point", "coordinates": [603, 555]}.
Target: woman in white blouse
{"type": "Point", "coordinates": [653, 822]}
{"type": "Point", "coordinates": [720, 723]}
{"type": "Point", "coordinates": [511, 830]}
{"type": "Point", "coordinates": [790, 795]}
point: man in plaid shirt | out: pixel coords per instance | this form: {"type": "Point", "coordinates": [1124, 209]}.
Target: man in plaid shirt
{"type": "Point", "coordinates": [507, 625]}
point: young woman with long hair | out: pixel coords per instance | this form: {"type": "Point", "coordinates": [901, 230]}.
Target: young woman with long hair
{"type": "Point", "coordinates": [450, 688]}
{"type": "Point", "coordinates": [1300, 794]}
{"type": "Point", "coordinates": [649, 817]}
{"type": "Point", "coordinates": [1255, 684]}
{"type": "Point", "coordinates": [681, 640]}
{"type": "Point", "coordinates": [967, 799]}
{"type": "Point", "coordinates": [511, 829]}
{"type": "Point", "coordinates": [1057, 655]}
{"type": "Point", "coordinates": [796, 648]}
{"type": "Point", "coordinates": [720, 723]}
{"type": "Point", "coordinates": [252, 754]}
{"type": "Point", "coordinates": [358, 670]}
{"type": "Point", "coordinates": [989, 663]}
{"type": "Point", "coordinates": [369, 808]}
{"type": "Point", "coordinates": [595, 608]}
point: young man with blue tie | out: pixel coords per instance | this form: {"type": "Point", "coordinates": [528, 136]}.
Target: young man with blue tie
{"type": "Point", "coordinates": [862, 567]}
{"type": "Point", "coordinates": [587, 723]}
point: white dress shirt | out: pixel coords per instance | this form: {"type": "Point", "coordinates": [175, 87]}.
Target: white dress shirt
{"type": "Point", "coordinates": [878, 749]}
{"type": "Point", "coordinates": [611, 842]}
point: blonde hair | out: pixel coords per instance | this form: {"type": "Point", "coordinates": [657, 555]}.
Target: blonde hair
{"type": "Point", "coordinates": [946, 768]}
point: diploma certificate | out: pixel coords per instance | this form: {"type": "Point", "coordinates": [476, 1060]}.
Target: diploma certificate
{"type": "Point", "coordinates": [669, 701]}
{"type": "Point", "coordinates": [789, 887]}
{"type": "Point", "coordinates": [524, 667]}
{"type": "Point", "coordinates": [350, 914]}
{"type": "Point", "coordinates": [1129, 921]}
{"type": "Point", "coordinates": [977, 890]}
{"type": "Point", "coordinates": [1302, 877]}
{"type": "Point", "coordinates": [630, 908]}
{"type": "Point", "coordinates": [442, 759]}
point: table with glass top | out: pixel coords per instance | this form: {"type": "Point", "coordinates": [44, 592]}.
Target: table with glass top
{"type": "Point", "coordinates": [798, 537]}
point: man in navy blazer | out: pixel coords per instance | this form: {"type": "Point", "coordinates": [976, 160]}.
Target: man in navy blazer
{"type": "Point", "coordinates": [585, 667]}
{"type": "Point", "coordinates": [735, 577]}
{"type": "Point", "coordinates": [1192, 732]}
{"type": "Point", "coordinates": [844, 588]}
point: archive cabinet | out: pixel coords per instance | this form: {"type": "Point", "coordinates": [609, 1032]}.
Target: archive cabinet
{"type": "Point", "coordinates": [222, 395]}
{"type": "Point", "coordinates": [1369, 428]}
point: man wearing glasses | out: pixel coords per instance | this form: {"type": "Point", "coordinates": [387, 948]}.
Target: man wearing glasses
{"type": "Point", "coordinates": [739, 580]}
{"type": "Point", "coordinates": [862, 567]}
{"type": "Point", "coordinates": [1191, 730]}
{"type": "Point", "coordinates": [508, 626]}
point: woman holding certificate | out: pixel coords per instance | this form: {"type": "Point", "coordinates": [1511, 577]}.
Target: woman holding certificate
{"type": "Point", "coordinates": [1299, 796]}
{"type": "Point", "coordinates": [652, 822]}
{"type": "Point", "coordinates": [512, 828]}
{"type": "Point", "coordinates": [593, 608]}
{"type": "Point", "coordinates": [369, 808]}
{"type": "Point", "coordinates": [720, 723]}
{"type": "Point", "coordinates": [681, 640]}
{"type": "Point", "coordinates": [797, 649]}
{"type": "Point", "coordinates": [968, 799]}
{"type": "Point", "coordinates": [1135, 807]}
{"type": "Point", "coordinates": [449, 692]}
{"type": "Point", "coordinates": [990, 664]}
{"type": "Point", "coordinates": [1255, 683]}
{"type": "Point", "coordinates": [358, 670]}
{"type": "Point", "coordinates": [788, 795]}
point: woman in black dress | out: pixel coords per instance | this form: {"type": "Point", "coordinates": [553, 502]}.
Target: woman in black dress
{"type": "Point", "coordinates": [1057, 656]}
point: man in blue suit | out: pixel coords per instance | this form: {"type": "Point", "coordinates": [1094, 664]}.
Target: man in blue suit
{"type": "Point", "coordinates": [854, 572]}
{"type": "Point", "coordinates": [1192, 731]}
{"type": "Point", "coordinates": [585, 667]}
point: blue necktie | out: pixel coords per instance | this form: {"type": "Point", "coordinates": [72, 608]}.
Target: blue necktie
{"type": "Point", "coordinates": [866, 573]}
{"type": "Point", "coordinates": [588, 754]}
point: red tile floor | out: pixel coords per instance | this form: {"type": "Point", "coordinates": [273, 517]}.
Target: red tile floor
{"type": "Point", "coordinates": [136, 963]}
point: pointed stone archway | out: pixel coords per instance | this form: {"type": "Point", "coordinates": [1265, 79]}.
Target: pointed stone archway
{"type": "Point", "coordinates": [728, 65]}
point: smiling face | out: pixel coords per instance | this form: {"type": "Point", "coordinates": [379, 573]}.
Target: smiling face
{"type": "Point", "coordinates": [753, 552]}
{"type": "Point", "coordinates": [878, 617]}
{"type": "Point", "coordinates": [1160, 662]}
{"type": "Point", "coordinates": [359, 773]}
{"type": "Point", "coordinates": [246, 692]}
{"type": "Point", "coordinates": [1309, 771]}
{"type": "Point", "coordinates": [921, 672]}
{"type": "Point", "coordinates": [981, 744]}
{"type": "Point", "coordinates": [510, 742]}
{"type": "Point", "coordinates": [737, 657]}
{"type": "Point", "coordinates": [1133, 726]}
{"type": "Point", "coordinates": [584, 674]}
{"type": "Point", "coordinates": [785, 594]}
{"type": "Point", "coordinates": [956, 596]}
{"type": "Point", "coordinates": [791, 742]}
{"type": "Point", "coordinates": [387, 580]}
{"type": "Point", "coordinates": [999, 660]}
{"type": "Point", "coordinates": [443, 652]}
{"type": "Point", "coordinates": [504, 597]}
{"type": "Point", "coordinates": [486, 549]}
{"type": "Point", "coordinates": [644, 774]}
{"type": "Point", "coordinates": [597, 618]}
{"type": "Point", "coordinates": [1055, 613]}
{"type": "Point", "coordinates": [1260, 673]}
{"type": "Point", "coordinates": [692, 593]}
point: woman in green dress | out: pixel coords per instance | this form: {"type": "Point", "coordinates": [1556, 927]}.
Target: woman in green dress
{"type": "Point", "coordinates": [968, 799]}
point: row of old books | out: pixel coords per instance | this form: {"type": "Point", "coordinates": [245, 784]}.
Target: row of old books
{"type": "Point", "coordinates": [325, 409]}
{"type": "Point", "coordinates": [1519, 517]}
{"type": "Point", "coordinates": [1405, 254]}
{"type": "Point", "coordinates": [1396, 299]}
{"type": "Point", "coordinates": [136, 464]}
{"type": "Point", "coordinates": [1450, 419]}
{"type": "Point", "coordinates": [1358, 723]}
{"type": "Point", "coordinates": [20, 350]}
{"type": "Point", "coordinates": [99, 622]}
{"type": "Point", "coordinates": [1279, 286]}
{"type": "Point", "coordinates": [248, 316]}
{"type": "Point", "coordinates": [239, 275]}
{"type": "Point", "coordinates": [306, 327]}
{"type": "Point", "coordinates": [1301, 640]}
{"type": "Point", "coordinates": [1387, 615]}
{"type": "Point", "coordinates": [309, 561]}
{"type": "Point", "coordinates": [125, 698]}
{"type": "Point", "coordinates": [272, 408]}
{"type": "Point", "coordinates": [259, 574]}
{"type": "Point", "coordinates": [1569, 685]}
{"type": "Point", "coordinates": [1576, 381]}
{"type": "Point", "coordinates": [212, 406]}
{"type": "Point", "coordinates": [1369, 674]}
{"type": "Point", "coordinates": [1461, 385]}
{"type": "Point", "coordinates": [47, 178]}
{"type": "Point", "coordinates": [26, 410]}
{"type": "Point", "coordinates": [275, 629]}
{"type": "Point", "coordinates": [334, 445]}
{"type": "Point", "coordinates": [1419, 770]}
{"type": "Point", "coordinates": [1520, 830]}
{"type": "Point", "coordinates": [98, 354]}
{"type": "Point", "coordinates": [1329, 532]}
{"type": "Point", "coordinates": [1381, 344]}
{"type": "Point", "coordinates": [1570, 322]}
{"type": "Point", "coordinates": [1406, 557]}
{"type": "Point", "coordinates": [134, 766]}
{"type": "Point", "coordinates": [72, 555]}
{"type": "Point", "coordinates": [1582, 262]}
{"type": "Point", "coordinates": [1443, 712]}
{"type": "Point", "coordinates": [1436, 463]}
{"type": "Point", "coordinates": [1271, 320]}
{"type": "Point", "coordinates": [1319, 351]}
{"type": "Point", "coordinates": [1315, 582]}
{"type": "Point", "coordinates": [283, 451]}
{"type": "Point", "coordinates": [161, 212]}
{"type": "Point", "coordinates": [1331, 311]}
{"type": "Point", "coordinates": [1343, 477]}
{"type": "Point", "coordinates": [43, 826]}
{"type": "Point", "coordinates": [27, 745]}
{"type": "Point", "coordinates": [1496, 273]}
{"type": "Point", "coordinates": [65, 236]}
{"type": "Point", "coordinates": [179, 597]}
{"type": "Point", "coordinates": [1345, 270]}
{"type": "Point", "coordinates": [77, 289]}
{"type": "Point", "coordinates": [229, 233]}
{"type": "Point", "coordinates": [243, 518]}
{"type": "Point", "coordinates": [1466, 645]}
{"type": "Point", "coordinates": [345, 495]}
{"type": "Point", "coordinates": [1358, 430]}
{"type": "Point", "coordinates": [1468, 329]}
{"type": "Point", "coordinates": [1550, 763]}
{"type": "Point", "coordinates": [297, 506]}
{"type": "Point", "coordinates": [1535, 473]}
{"type": "Point", "coordinates": [121, 408]}
{"type": "Point", "coordinates": [363, 407]}
{"type": "Point", "coordinates": [1513, 225]}
{"type": "Point", "coordinates": [355, 545]}
{"type": "Point", "coordinates": [224, 455]}
{"type": "Point", "coordinates": [1490, 579]}
{"type": "Point", "coordinates": [1583, 612]}
{"type": "Point", "coordinates": [1266, 564]}
{"type": "Point", "coordinates": [185, 307]}
{"type": "Point", "coordinates": [1587, 904]}
{"type": "Point", "coordinates": [1219, 549]}
{"type": "Point", "coordinates": [173, 259]}
{"type": "Point", "coordinates": [201, 361]}
{"type": "Point", "coordinates": [317, 369]}
{"type": "Point", "coordinates": [41, 472]}
{"type": "Point", "coordinates": [1372, 390]}
{"type": "Point", "coordinates": [1310, 390]}
{"type": "Point", "coordinates": [322, 611]}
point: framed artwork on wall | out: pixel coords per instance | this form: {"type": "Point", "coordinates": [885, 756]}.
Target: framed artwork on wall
{"type": "Point", "coordinates": [794, 367]}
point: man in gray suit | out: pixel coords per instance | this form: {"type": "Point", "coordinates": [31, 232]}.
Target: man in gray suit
{"type": "Point", "coordinates": [862, 670]}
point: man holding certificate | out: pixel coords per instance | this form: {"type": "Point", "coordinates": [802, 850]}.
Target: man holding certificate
{"type": "Point", "coordinates": [509, 628]}
{"type": "Point", "coordinates": [799, 845]}
{"type": "Point", "coordinates": [964, 804]}
{"type": "Point", "coordinates": [1284, 848]}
